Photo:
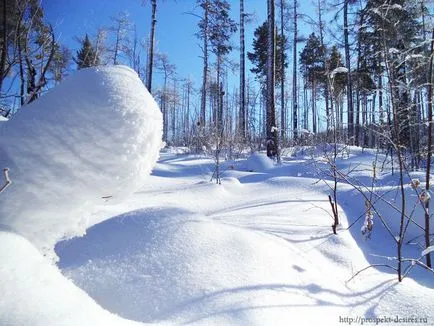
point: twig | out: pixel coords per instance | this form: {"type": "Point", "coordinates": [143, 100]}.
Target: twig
{"type": "Point", "coordinates": [8, 181]}
{"type": "Point", "coordinates": [370, 266]}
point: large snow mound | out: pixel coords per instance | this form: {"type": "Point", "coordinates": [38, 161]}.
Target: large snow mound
{"type": "Point", "coordinates": [35, 293]}
{"type": "Point", "coordinates": [89, 141]}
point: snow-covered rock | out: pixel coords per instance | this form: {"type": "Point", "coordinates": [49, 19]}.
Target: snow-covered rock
{"type": "Point", "coordinates": [91, 140]}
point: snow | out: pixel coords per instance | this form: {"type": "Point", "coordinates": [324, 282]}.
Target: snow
{"type": "Point", "coordinates": [339, 70]}
{"type": "Point", "coordinates": [257, 162]}
{"type": "Point", "coordinates": [258, 251]}
{"type": "Point", "coordinates": [172, 247]}
{"type": "Point", "coordinates": [428, 250]}
{"type": "Point", "coordinates": [2, 118]}
{"type": "Point", "coordinates": [34, 292]}
{"type": "Point", "coordinates": [91, 140]}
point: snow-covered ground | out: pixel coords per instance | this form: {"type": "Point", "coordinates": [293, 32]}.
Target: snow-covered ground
{"type": "Point", "coordinates": [256, 250]}
{"type": "Point", "coordinates": [179, 249]}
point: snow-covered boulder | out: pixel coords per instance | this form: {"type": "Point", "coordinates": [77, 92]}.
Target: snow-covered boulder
{"type": "Point", "coordinates": [91, 140]}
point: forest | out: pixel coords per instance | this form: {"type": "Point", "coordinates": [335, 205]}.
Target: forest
{"type": "Point", "coordinates": [360, 76]}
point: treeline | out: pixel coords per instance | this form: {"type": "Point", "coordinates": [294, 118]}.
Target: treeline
{"type": "Point", "coordinates": [360, 74]}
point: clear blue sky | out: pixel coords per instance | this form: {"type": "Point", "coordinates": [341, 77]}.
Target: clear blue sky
{"type": "Point", "coordinates": [175, 29]}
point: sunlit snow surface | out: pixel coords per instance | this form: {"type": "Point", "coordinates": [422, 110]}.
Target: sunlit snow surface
{"type": "Point", "coordinates": [91, 140]}
{"type": "Point", "coordinates": [256, 250]}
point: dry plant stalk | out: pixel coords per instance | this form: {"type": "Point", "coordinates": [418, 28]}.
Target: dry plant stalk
{"type": "Point", "coordinates": [8, 181]}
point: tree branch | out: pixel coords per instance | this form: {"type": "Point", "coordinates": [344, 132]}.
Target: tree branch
{"type": "Point", "coordinates": [8, 181]}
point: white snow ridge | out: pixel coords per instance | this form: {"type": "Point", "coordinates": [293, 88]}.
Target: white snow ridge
{"type": "Point", "coordinates": [93, 139]}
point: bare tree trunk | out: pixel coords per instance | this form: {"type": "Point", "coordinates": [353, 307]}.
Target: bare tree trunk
{"type": "Point", "coordinates": [242, 114]}
{"type": "Point", "coordinates": [4, 49]}
{"type": "Point", "coordinates": [282, 68]}
{"type": "Point", "coordinates": [151, 47]}
{"type": "Point", "coordinates": [429, 155]}
{"type": "Point", "coordinates": [326, 88]}
{"type": "Point", "coordinates": [205, 70]}
{"type": "Point", "coordinates": [380, 98]}
{"type": "Point", "coordinates": [350, 107]}
{"type": "Point", "coordinates": [21, 70]}
{"type": "Point", "coordinates": [314, 114]}
{"type": "Point", "coordinates": [272, 134]}
{"type": "Point", "coordinates": [294, 76]}
{"type": "Point", "coordinates": [117, 44]}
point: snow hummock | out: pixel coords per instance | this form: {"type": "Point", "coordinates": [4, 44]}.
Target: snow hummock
{"type": "Point", "coordinates": [34, 292]}
{"type": "Point", "coordinates": [89, 141]}
{"type": "Point", "coordinates": [257, 162]}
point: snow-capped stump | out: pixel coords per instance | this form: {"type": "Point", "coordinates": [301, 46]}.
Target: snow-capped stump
{"type": "Point", "coordinates": [95, 136]}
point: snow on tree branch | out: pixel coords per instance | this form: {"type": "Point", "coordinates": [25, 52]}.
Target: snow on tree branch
{"type": "Point", "coordinates": [338, 70]}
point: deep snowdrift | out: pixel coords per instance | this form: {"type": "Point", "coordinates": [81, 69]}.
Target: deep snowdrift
{"type": "Point", "coordinates": [91, 140]}
{"type": "Point", "coordinates": [35, 293]}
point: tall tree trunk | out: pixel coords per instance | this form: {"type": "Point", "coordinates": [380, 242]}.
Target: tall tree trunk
{"type": "Point", "coordinates": [205, 70]}
{"type": "Point", "coordinates": [4, 48]}
{"type": "Point", "coordinates": [220, 94]}
{"type": "Point", "coordinates": [294, 75]}
{"type": "Point", "coordinates": [282, 69]}
{"type": "Point", "coordinates": [187, 122]}
{"type": "Point", "coordinates": [242, 113]}
{"type": "Point", "coordinates": [118, 38]}
{"type": "Point", "coordinates": [314, 127]}
{"type": "Point", "coordinates": [272, 134]}
{"type": "Point", "coordinates": [164, 108]}
{"type": "Point", "coordinates": [429, 155]}
{"type": "Point", "coordinates": [350, 107]}
{"type": "Point", "coordinates": [325, 68]}
{"type": "Point", "coordinates": [151, 46]}
{"type": "Point", "coordinates": [380, 98]}
{"type": "Point", "coordinates": [21, 69]}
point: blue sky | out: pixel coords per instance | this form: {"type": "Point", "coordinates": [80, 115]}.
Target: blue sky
{"type": "Point", "coordinates": [175, 29]}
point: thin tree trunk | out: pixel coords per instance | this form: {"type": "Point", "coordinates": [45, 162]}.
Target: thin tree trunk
{"type": "Point", "coordinates": [380, 98]}
{"type": "Point", "coordinates": [205, 70]}
{"type": "Point", "coordinates": [272, 134]}
{"type": "Point", "coordinates": [242, 113]}
{"type": "Point", "coordinates": [282, 68]}
{"type": "Point", "coordinates": [429, 155]}
{"type": "Point", "coordinates": [325, 69]}
{"type": "Point", "coordinates": [151, 46]}
{"type": "Point", "coordinates": [294, 76]}
{"type": "Point", "coordinates": [350, 107]}
{"type": "Point", "coordinates": [118, 36]}
{"type": "Point", "coordinates": [21, 69]}
{"type": "Point", "coordinates": [4, 47]}
{"type": "Point", "coordinates": [314, 129]}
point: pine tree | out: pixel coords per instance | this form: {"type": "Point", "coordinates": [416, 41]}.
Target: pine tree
{"type": "Point", "coordinates": [86, 56]}
{"type": "Point", "coordinates": [336, 82]}
{"type": "Point", "coordinates": [259, 55]}
{"type": "Point", "coordinates": [312, 60]}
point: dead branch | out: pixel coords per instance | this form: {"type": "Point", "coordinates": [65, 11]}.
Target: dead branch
{"type": "Point", "coordinates": [370, 266]}
{"type": "Point", "coordinates": [8, 181]}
